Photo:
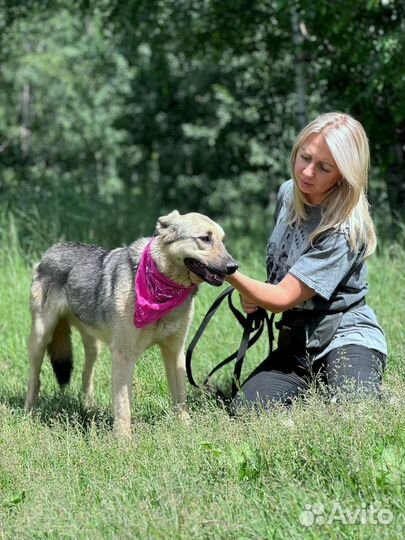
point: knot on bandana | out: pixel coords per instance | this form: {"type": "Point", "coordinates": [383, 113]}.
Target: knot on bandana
{"type": "Point", "coordinates": [156, 294]}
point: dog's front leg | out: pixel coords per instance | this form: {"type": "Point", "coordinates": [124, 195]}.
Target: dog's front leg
{"type": "Point", "coordinates": [122, 373]}
{"type": "Point", "coordinates": [175, 366]}
{"type": "Point", "coordinates": [92, 349]}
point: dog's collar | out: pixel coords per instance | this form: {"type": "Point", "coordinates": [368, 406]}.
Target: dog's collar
{"type": "Point", "coordinates": [156, 294]}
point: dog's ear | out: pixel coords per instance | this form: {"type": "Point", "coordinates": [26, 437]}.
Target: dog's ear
{"type": "Point", "coordinates": [166, 226]}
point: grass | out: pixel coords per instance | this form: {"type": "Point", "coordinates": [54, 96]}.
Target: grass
{"type": "Point", "coordinates": [64, 476]}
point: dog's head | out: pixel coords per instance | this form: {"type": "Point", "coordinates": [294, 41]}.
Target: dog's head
{"type": "Point", "coordinates": [192, 242]}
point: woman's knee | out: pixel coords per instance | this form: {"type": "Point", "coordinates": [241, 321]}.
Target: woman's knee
{"type": "Point", "coordinates": [355, 370]}
{"type": "Point", "coordinates": [266, 389]}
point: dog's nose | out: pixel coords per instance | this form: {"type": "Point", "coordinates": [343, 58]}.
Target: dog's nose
{"type": "Point", "coordinates": [231, 267]}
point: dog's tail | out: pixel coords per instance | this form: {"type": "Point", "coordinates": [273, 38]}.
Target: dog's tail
{"type": "Point", "coordinates": [60, 352]}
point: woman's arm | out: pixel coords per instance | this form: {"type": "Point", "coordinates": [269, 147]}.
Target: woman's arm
{"type": "Point", "coordinates": [288, 293]}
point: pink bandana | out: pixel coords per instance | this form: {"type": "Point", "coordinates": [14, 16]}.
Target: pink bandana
{"type": "Point", "coordinates": [156, 294]}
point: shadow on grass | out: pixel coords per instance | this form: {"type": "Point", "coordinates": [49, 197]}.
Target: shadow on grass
{"type": "Point", "coordinates": [63, 409]}
{"type": "Point", "coordinates": [66, 409]}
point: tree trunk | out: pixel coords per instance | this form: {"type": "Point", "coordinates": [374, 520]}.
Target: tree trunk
{"type": "Point", "coordinates": [25, 120]}
{"type": "Point", "coordinates": [299, 68]}
{"type": "Point", "coordinates": [396, 185]}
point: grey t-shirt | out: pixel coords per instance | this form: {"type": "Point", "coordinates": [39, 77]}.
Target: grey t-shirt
{"type": "Point", "coordinates": [330, 267]}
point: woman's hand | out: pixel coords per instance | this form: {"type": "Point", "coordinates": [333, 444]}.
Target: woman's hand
{"type": "Point", "coordinates": [248, 306]}
{"type": "Point", "coordinates": [288, 293]}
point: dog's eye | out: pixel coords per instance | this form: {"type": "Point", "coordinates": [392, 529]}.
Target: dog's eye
{"type": "Point", "coordinates": [206, 238]}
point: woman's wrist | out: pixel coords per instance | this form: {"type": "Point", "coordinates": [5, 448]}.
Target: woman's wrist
{"type": "Point", "coordinates": [232, 278]}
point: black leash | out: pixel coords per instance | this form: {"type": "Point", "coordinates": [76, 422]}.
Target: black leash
{"type": "Point", "coordinates": [253, 326]}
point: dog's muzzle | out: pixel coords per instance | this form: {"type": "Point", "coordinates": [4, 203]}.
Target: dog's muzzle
{"type": "Point", "coordinates": [212, 275]}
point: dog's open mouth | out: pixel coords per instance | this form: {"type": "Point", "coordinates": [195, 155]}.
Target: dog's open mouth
{"type": "Point", "coordinates": [210, 275]}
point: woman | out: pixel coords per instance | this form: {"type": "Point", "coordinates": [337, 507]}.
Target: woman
{"type": "Point", "coordinates": [317, 272]}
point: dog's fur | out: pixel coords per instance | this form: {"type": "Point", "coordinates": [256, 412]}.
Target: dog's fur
{"type": "Point", "coordinates": [92, 288]}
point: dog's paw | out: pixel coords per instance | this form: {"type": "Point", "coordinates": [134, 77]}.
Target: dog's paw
{"type": "Point", "coordinates": [87, 401]}
{"type": "Point", "coordinates": [122, 431]}
{"type": "Point", "coordinates": [183, 416]}
{"type": "Point", "coordinates": [30, 404]}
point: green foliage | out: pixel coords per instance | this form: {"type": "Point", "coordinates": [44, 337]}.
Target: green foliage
{"type": "Point", "coordinates": [112, 113]}
{"type": "Point", "coordinates": [363, 74]}
{"type": "Point", "coordinates": [390, 468]}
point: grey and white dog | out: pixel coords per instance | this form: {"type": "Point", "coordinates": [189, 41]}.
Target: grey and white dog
{"type": "Point", "coordinates": [92, 289]}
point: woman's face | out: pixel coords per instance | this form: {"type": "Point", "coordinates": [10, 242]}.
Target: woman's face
{"type": "Point", "coordinates": [315, 169]}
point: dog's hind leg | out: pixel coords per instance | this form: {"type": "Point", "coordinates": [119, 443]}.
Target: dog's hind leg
{"type": "Point", "coordinates": [38, 340]}
{"type": "Point", "coordinates": [174, 360]}
{"type": "Point", "coordinates": [92, 347]}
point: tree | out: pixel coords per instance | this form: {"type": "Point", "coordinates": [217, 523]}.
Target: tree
{"type": "Point", "coordinates": [356, 60]}
{"type": "Point", "coordinates": [113, 112]}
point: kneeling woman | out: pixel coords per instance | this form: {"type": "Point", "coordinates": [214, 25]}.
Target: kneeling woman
{"type": "Point", "coordinates": [317, 272]}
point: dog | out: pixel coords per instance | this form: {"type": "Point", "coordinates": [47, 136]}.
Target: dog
{"type": "Point", "coordinates": [101, 293]}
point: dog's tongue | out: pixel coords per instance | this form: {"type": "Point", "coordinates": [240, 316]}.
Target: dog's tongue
{"type": "Point", "coordinates": [213, 278]}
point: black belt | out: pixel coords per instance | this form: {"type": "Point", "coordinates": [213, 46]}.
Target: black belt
{"type": "Point", "coordinates": [297, 326]}
{"type": "Point", "coordinates": [302, 315]}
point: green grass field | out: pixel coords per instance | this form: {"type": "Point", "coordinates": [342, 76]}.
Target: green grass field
{"type": "Point", "coordinates": [323, 470]}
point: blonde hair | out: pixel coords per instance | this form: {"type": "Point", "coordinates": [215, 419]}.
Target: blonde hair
{"type": "Point", "coordinates": [345, 205]}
